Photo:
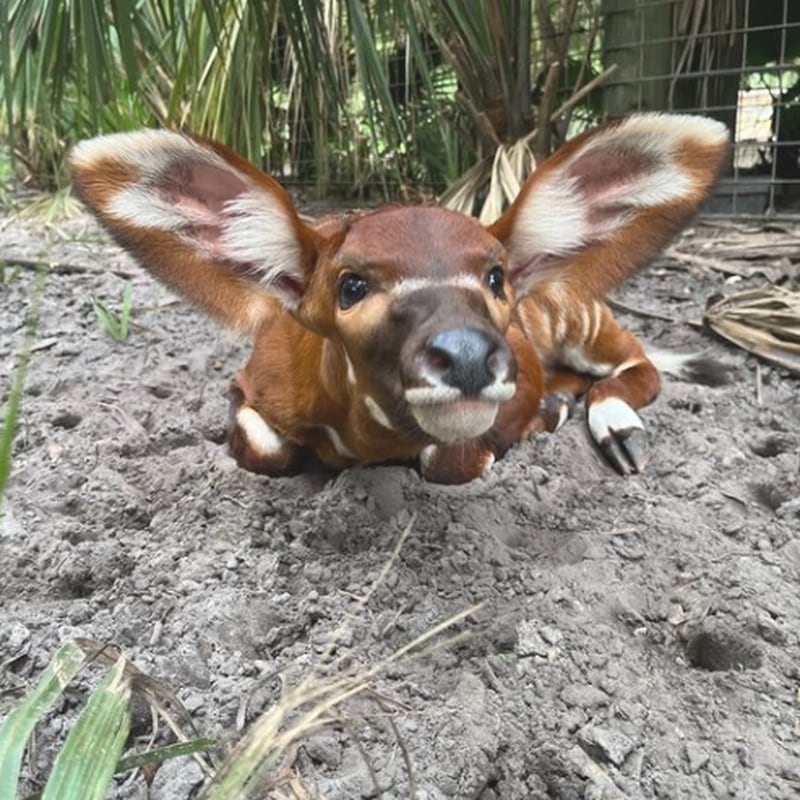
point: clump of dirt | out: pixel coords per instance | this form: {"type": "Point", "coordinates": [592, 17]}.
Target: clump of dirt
{"type": "Point", "coordinates": [638, 637]}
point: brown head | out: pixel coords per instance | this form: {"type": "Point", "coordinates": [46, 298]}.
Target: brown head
{"type": "Point", "coordinates": [418, 299]}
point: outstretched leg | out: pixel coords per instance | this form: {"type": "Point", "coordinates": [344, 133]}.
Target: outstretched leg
{"type": "Point", "coordinates": [624, 380]}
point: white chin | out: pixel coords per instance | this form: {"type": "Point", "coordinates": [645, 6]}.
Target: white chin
{"type": "Point", "coordinates": [455, 421]}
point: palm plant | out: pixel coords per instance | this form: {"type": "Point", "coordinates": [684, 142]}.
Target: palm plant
{"type": "Point", "coordinates": [303, 88]}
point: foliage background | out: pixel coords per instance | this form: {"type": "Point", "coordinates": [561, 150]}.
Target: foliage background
{"type": "Point", "coordinates": [386, 97]}
{"type": "Point", "coordinates": [337, 94]}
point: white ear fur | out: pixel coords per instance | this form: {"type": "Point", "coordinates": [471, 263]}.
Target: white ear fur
{"type": "Point", "coordinates": [185, 187]}
{"type": "Point", "coordinates": [600, 186]}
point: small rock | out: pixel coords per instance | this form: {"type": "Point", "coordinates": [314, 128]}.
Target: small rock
{"type": "Point", "coordinates": [530, 641]}
{"type": "Point", "coordinates": [550, 634]}
{"type": "Point", "coordinates": [193, 702]}
{"type": "Point", "coordinates": [772, 633]}
{"type": "Point", "coordinates": [763, 544]}
{"type": "Point", "coordinates": [325, 749]}
{"type": "Point", "coordinates": [789, 510]}
{"type": "Point", "coordinates": [16, 638]}
{"type": "Point", "coordinates": [176, 778]}
{"type": "Point", "coordinates": [610, 745]}
{"type": "Point", "coordinates": [583, 696]}
{"type": "Point", "coordinates": [732, 527]}
{"type": "Point", "coordinates": [791, 551]}
{"type": "Point", "coordinates": [696, 757]}
{"type": "Point", "coordinates": [226, 464]}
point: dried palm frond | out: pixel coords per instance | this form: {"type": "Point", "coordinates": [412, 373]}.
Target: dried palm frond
{"type": "Point", "coordinates": [765, 322]}
{"type": "Point", "coordinates": [499, 177]}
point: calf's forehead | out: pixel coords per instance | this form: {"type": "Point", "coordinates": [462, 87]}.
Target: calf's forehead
{"type": "Point", "coordinates": [419, 242]}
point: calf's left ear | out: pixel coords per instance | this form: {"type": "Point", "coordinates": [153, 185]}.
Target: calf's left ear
{"type": "Point", "coordinates": [610, 199]}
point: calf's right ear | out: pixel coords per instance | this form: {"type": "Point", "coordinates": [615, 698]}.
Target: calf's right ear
{"type": "Point", "coordinates": [204, 221]}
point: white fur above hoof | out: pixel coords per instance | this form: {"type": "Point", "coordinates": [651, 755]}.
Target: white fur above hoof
{"type": "Point", "coordinates": [619, 433]}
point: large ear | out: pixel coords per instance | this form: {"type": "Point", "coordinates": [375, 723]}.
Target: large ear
{"type": "Point", "coordinates": [609, 200]}
{"type": "Point", "coordinates": [200, 218]}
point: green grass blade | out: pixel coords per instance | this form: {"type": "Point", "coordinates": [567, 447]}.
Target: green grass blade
{"type": "Point", "coordinates": [85, 764]}
{"type": "Point", "coordinates": [69, 658]}
{"type": "Point", "coordinates": [372, 70]}
{"type": "Point", "coordinates": [17, 386]}
{"type": "Point", "coordinates": [107, 319]}
{"type": "Point", "coordinates": [122, 13]}
{"type": "Point", "coordinates": [161, 754]}
{"type": "Point", "coordinates": [8, 88]}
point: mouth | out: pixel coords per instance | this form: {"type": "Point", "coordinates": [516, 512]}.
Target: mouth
{"type": "Point", "coordinates": [446, 415]}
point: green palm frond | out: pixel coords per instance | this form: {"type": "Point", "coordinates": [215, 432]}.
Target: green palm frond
{"type": "Point", "coordinates": [333, 92]}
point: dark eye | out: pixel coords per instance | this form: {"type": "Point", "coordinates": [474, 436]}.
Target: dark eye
{"type": "Point", "coordinates": [352, 289]}
{"type": "Point", "coordinates": [496, 282]}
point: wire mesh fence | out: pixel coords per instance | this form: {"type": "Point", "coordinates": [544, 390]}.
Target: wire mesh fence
{"type": "Point", "coordinates": [736, 61]}
{"type": "Point", "coordinates": [387, 99]}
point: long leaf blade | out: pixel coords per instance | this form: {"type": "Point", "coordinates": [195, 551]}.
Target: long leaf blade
{"type": "Point", "coordinates": [85, 764]}
{"type": "Point", "coordinates": [16, 730]}
{"type": "Point", "coordinates": [161, 754]}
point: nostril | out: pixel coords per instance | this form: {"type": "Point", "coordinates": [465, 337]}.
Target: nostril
{"type": "Point", "coordinates": [438, 360]}
{"type": "Point", "coordinates": [468, 359]}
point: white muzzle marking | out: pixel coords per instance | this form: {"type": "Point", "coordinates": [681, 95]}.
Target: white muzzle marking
{"type": "Point", "coordinates": [434, 395]}
{"type": "Point", "coordinates": [445, 414]}
{"type": "Point", "coordinates": [455, 421]}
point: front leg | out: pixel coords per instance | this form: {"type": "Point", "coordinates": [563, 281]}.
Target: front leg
{"type": "Point", "coordinates": [456, 463]}
{"type": "Point", "coordinates": [625, 380]}
{"type": "Point", "coordinates": [255, 445]}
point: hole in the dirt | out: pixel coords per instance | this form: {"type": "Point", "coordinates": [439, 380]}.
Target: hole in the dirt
{"type": "Point", "coordinates": [78, 585]}
{"type": "Point", "coordinates": [160, 390]}
{"type": "Point", "coordinates": [771, 446]}
{"type": "Point", "coordinates": [685, 404]}
{"type": "Point", "coordinates": [217, 434]}
{"type": "Point", "coordinates": [770, 495]}
{"type": "Point", "coordinates": [718, 651]}
{"type": "Point", "coordinates": [67, 420]}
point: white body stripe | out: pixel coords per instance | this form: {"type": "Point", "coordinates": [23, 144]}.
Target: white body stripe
{"type": "Point", "coordinates": [575, 358]}
{"type": "Point", "coordinates": [338, 445]}
{"type": "Point", "coordinates": [351, 373]}
{"type": "Point", "coordinates": [377, 413]}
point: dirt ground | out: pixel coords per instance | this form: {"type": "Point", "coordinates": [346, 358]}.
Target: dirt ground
{"type": "Point", "coordinates": [638, 638]}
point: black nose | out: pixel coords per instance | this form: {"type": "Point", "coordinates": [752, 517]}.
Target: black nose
{"type": "Point", "coordinates": [467, 358]}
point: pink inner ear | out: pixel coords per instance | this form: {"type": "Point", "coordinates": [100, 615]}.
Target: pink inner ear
{"type": "Point", "coordinates": [604, 181]}
{"type": "Point", "coordinates": [538, 265]}
{"type": "Point", "coordinates": [199, 192]}
{"type": "Point", "coordinates": [605, 176]}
